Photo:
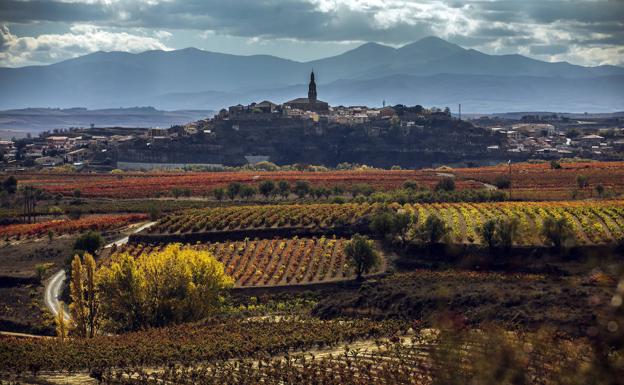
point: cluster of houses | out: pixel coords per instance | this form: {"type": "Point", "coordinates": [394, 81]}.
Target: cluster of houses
{"type": "Point", "coordinates": [56, 150]}
{"type": "Point", "coordinates": [545, 140]}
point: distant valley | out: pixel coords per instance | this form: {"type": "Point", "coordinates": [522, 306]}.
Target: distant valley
{"type": "Point", "coordinates": [16, 123]}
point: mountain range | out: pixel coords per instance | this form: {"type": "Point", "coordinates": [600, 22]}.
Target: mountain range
{"type": "Point", "coordinates": [430, 72]}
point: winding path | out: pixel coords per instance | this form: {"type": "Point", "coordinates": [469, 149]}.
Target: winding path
{"type": "Point", "coordinates": [54, 285]}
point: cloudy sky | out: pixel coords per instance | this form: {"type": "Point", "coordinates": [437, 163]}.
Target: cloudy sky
{"type": "Point", "coordinates": [587, 32]}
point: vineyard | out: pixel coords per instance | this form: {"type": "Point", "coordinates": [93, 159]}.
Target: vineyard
{"type": "Point", "coordinates": [256, 217]}
{"type": "Point", "coordinates": [187, 343]}
{"type": "Point", "coordinates": [426, 358]}
{"type": "Point", "coordinates": [594, 222]}
{"type": "Point", "coordinates": [69, 226]}
{"type": "Point", "coordinates": [274, 262]}
{"type": "Point", "coordinates": [141, 185]}
{"type": "Point", "coordinates": [540, 181]}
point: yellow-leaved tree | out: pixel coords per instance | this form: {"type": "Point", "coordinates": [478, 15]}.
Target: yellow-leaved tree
{"type": "Point", "coordinates": [84, 305]}
{"type": "Point", "coordinates": [175, 284]}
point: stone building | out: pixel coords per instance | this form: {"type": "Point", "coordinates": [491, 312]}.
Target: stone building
{"type": "Point", "coordinates": [311, 103]}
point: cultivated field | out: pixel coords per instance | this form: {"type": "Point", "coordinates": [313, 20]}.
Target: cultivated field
{"type": "Point", "coordinates": [140, 185]}
{"type": "Point", "coordinates": [540, 181]}
{"type": "Point", "coordinates": [270, 262]}
{"type": "Point", "coordinates": [594, 222]}
{"type": "Point", "coordinates": [69, 226]}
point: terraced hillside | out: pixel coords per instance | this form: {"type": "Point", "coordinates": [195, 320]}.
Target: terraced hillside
{"type": "Point", "coordinates": [270, 262]}
{"type": "Point", "coordinates": [594, 222]}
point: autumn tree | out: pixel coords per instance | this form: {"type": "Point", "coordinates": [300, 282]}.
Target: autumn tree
{"type": "Point", "coordinates": [84, 306]}
{"type": "Point", "coordinates": [62, 325]}
{"type": "Point", "coordinates": [172, 285]}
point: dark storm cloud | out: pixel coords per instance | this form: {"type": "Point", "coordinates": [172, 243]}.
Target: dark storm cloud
{"type": "Point", "coordinates": [28, 11]}
{"type": "Point", "coordinates": [541, 11]}
{"type": "Point", "coordinates": [526, 26]}
{"type": "Point", "coordinates": [297, 19]}
{"type": "Point", "coordinates": [305, 20]}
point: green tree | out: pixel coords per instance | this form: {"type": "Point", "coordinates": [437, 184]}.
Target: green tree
{"type": "Point", "coordinates": [382, 224]}
{"type": "Point", "coordinates": [29, 197]}
{"type": "Point", "coordinates": [10, 184]}
{"type": "Point", "coordinates": [582, 181]}
{"type": "Point", "coordinates": [89, 242]}
{"type": "Point", "coordinates": [488, 233]}
{"type": "Point", "coordinates": [433, 230]}
{"type": "Point", "coordinates": [555, 165]}
{"type": "Point", "coordinates": [506, 232]}
{"type": "Point", "coordinates": [557, 232]}
{"type": "Point", "coordinates": [362, 189]}
{"type": "Point", "coordinates": [302, 188]}
{"type": "Point", "coordinates": [410, 185]}
{"type": "Point", "coordinates": [361, 254]}
{"type": "Point", "coordinates": [283, 188]}
{"type": "Point", "coordinates": [502, 182]}
{"type": "Point", "coordinates": [247, 191]}
{"type": "Point", "coordinates": [233, 189]}
{"type": "Point", "coordinates": [445, 184]}
{"type": "Point", "coordinates": [267, 188]}
{"type": "Point", "coordinates": [499, 232]}
{"type": "Point", "coordinates": [154, 212]}
{"type": "Point", "coordinates": [219, 193]}
{"type": "Point", "coordinates": [600, 190]}
{"type": "Point", "coordinates": [338, 190]}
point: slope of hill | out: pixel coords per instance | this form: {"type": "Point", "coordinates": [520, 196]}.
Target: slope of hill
{"type": "Point", "coordinates": [169, 79]}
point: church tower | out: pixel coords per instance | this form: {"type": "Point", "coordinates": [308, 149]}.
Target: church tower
{"type": "Point", "coordinates": [312, 89]}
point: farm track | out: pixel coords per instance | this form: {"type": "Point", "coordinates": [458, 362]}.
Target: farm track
{"type": "Point", "coordinates": [54, 285]}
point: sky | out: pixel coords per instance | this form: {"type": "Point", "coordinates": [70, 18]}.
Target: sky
{"type": "Point", "coordinates": [585, 32]}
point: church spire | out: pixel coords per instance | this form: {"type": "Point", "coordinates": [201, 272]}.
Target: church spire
{"type": "Point", "coordinates": [312, 89]}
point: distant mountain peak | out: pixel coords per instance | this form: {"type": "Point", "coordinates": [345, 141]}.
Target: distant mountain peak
{"type": "Point", "coordinates": [432, 42]}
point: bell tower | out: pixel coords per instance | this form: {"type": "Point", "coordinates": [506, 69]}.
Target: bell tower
{"type": "Point", "coordinates": [312, 89]}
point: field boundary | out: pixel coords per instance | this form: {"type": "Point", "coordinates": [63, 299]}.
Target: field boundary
{"type": "Point", "coordinates": [239, 235]}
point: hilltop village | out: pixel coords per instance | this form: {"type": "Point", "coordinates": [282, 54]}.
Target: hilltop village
{"type": "Point", "coordinates": [308, 130]}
